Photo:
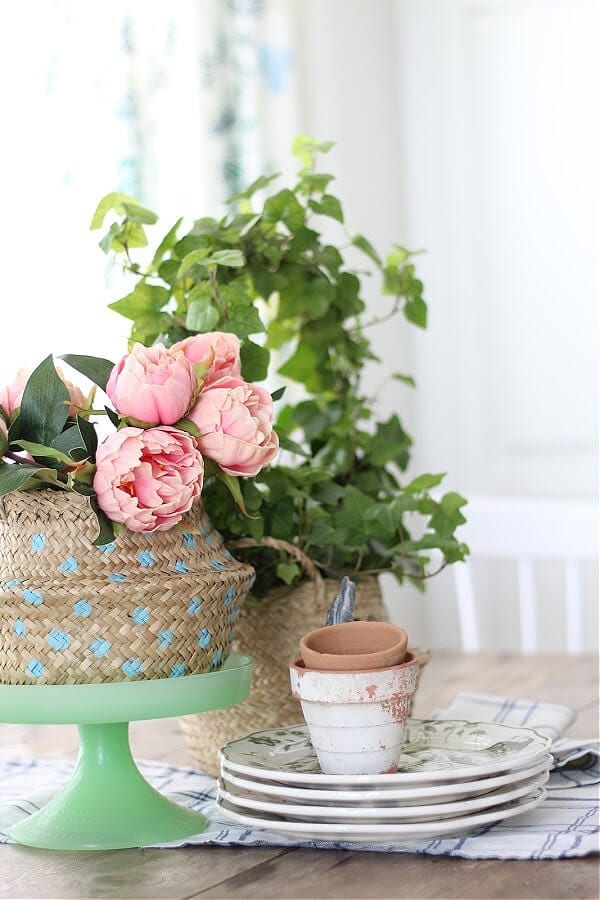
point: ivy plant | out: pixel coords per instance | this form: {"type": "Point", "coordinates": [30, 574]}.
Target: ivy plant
{"type": "Point", "coordinates": [266, 273]}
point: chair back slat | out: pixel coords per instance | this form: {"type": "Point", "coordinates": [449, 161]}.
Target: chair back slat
{"type": "Point", "coordinates": [527, 532]}
{"type": "Point", "coordinates": [574, 606]}
{"type": "Point", "coordinates": [527, 607]}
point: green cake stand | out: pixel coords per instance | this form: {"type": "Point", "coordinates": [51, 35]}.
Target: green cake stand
{"type": "Point", "coordinates": [108, 804]}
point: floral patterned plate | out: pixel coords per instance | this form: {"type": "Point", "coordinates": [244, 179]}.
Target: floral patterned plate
{"type": "Point", "coordinates": [434, 750]}
{"type": "Point", "coordinates": [374, 831]}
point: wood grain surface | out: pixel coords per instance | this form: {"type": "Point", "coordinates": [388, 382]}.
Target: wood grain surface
{"type": "Point", "coordinates": [246, 872]}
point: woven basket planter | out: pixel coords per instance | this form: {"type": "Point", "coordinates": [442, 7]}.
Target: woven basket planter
{"type": "Point", "coordinates": [271, 632]}
{"type": "Point", "coordinates": [145, 606]}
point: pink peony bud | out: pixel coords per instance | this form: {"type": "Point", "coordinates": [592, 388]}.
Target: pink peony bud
{"type": "Point", "coordinates": [235, 420]}
{"type": "Point", "coordinates": [12, 394]}
{"type": "Point", "coordinates": [78, 403]}
{"type": "Point", "coordinates": [224, 349]}
{"type": "Point", "coordinates": [152, 384]}
{"type": "Point", "coordinates": [148, 479]}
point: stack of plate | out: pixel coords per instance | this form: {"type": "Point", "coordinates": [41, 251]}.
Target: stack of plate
{"type": "Point", "coordinates": [453, 776]}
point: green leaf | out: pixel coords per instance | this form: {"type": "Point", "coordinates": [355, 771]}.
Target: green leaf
{"type": "Point", "coordinates": [287, 444]}
{"type": "Point", "coordinates": [284, 207]}
{"type": "Point", "coordinates": [23, 476]}
{"type": "Point", "coordinates": [106, 528]}
{"type": "Point", "coordinates": [288, 572]}
{"type": "Point", "coordinates": [363, 244]}
{"type": "Point", "coordinates": [145, 298]}
{"type": "Point", "coordinates": [310, 298]}
{"type": "Point", "coordinates": [261, 182]}
{"type": "Point", "coordinates": [243, 321]}
{"type": "Point", "coordinates": [137, 213]}
{"type": "Point", "coordinates": [45, 404]}
{"type": "Point", "coordinates": [255, 361]}
{"type": "Point", "coordinates": [196, 257]}
{"type": "Point", "coordinates": [188, 426]}
{"type": "Point", "coordinates": [278, 394]}
{"type": "Point", "coordinates": [405, 379]}
{"type": "Point", "coordinates": [95, 368]}
{"type": "Point", "coordinates": [167, 243]}
{"type": "Point", "coordinates": [390, 444]}
{"type": "Point", "coordinates": [415, 310]}
{"type": "Point", "coordinates": [308, 365]}
{"type": "Point", "coordinates": [114, 201]}
{"type": "Point", "coordinates": [424, 482]}
{"type": "Point", "coordinates": [231, 258]}
{"type": "Point", "coordinates": [305, 149]}
{"type": "Point", "coordinates": [37, 450]}
{"type": "Point", "coordinates": [202, 315]}
{"type": "Point", "coordinates": [328, 206]}
{"type": "Point", "coordinates": [3, 443]}
{"type": "Point", "coordinates": [233, 486]}
{"type": "Point", "coordinates": [313, 182]}
{"type": "Point", "coordinates": [74, 444]}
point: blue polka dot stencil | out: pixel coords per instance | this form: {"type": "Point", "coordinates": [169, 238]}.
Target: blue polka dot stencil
{"type": "Point", "coordinates": [141, 615]}
{"type": "Point", "coordinates": [195, 604]}
{"type": "Point", "coordinates": [218, 566]}
{"type": "Point", "coordinates": [204, 638]}
{"type": "Point", "coordinates": [19, 627]}
{"type": "Point", "coordinates": [107, 548]}
{"type": "Point", "coordinates": [38, 542]}
{"type": "Point", "coordinates": [181, 568]}
{"type": "Point", "coordinates": [217, 659]}
{"type": "Point", "coordinates": [117, 576]}
{"type": "Point", "coordinates": [35, 668]}
{"type": "Point", "coordinates": [132, 667]}
{"type": "Point", "coordinates": [58, 640]}
{"type": "Point", "coordinates": [189, 539]}
{"type": "Point", "coordinates": [68, 566]}
{"type": "Point", "coordinates": [100, 647]}
{"type": "Point", "coordinates": [165, 637]}
{"type": "Point", "coordinates": [13, 583]}
{"type": "Point", "coordinates": [145, 559]}
{"type": "Point", "coordinates": [177, 670]}
{"type": "Point", "coordinates": [33, 596]}
{"type": "Point", "coordinates": [229, 595]}
{"type": "Point", "coordinates": [82, 608]}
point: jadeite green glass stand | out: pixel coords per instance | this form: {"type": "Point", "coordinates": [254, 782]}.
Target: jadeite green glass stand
{"type": "Point", "coordinates": [108, 804]}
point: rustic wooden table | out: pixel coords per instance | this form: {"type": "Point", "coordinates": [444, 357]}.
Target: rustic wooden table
{"type": "Point", "coordinates": [247, 872]}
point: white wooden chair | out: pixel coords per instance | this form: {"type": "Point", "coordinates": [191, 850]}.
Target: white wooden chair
{"type": "Point", "coordinates": [528, 531]}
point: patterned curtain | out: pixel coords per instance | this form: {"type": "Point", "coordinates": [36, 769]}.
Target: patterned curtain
{"type": "Point", "coordinates": [177, 103]}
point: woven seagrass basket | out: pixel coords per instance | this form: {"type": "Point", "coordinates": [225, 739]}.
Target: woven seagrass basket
{"type": "Point", "coordinates": [145, 606]}
{"type": "Point", "coordinates": [271, 631]}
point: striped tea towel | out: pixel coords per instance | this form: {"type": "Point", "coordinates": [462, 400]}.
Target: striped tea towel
{"type": "Point", "coordinates": [565, 824]}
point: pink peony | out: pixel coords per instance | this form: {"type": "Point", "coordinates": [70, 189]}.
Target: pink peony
{"type": "Point", "coordinates": [152, 385]}
{"type": "Point", "coordinates": [235, 420]}
{"type": "Point", "coordinates": [12, 394]}
{"type": "Point", "coordinates": [3, 428]}
{"type": "Point", "coordinates": [148, 479]}
{"type": "Point", "coordinates": [224, 348]}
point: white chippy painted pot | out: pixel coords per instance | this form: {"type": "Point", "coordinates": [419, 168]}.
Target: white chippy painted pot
{"type": "Point", "coordinates": [356, 719]}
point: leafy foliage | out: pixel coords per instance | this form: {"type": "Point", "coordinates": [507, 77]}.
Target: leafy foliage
{"type": "Point", "coordinates": [265, 273]}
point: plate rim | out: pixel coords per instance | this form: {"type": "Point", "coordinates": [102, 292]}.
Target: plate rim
{"type": "Point", "coordinates": [369, 831]}
{"type": "Point", "coordinates": [458, 774]}
{"type": "Point", "coordinates": [407, 812]}
{"type": "Point", "coordinates": [391, 792]}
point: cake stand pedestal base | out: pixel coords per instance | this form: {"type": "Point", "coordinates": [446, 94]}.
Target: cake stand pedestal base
{"type": "Point", "coordinates": [108, 804]}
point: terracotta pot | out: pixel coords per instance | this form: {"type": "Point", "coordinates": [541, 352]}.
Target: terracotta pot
{"type": "Point", "coordinates": [354, 646]}
{"type": "Point", "coordinates": [356, 719]}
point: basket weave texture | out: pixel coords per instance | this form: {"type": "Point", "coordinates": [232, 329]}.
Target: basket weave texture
{"type": "Point", "coordinates": [144, 606]}
{"type": "Point", "coordinates": [271, 631]}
